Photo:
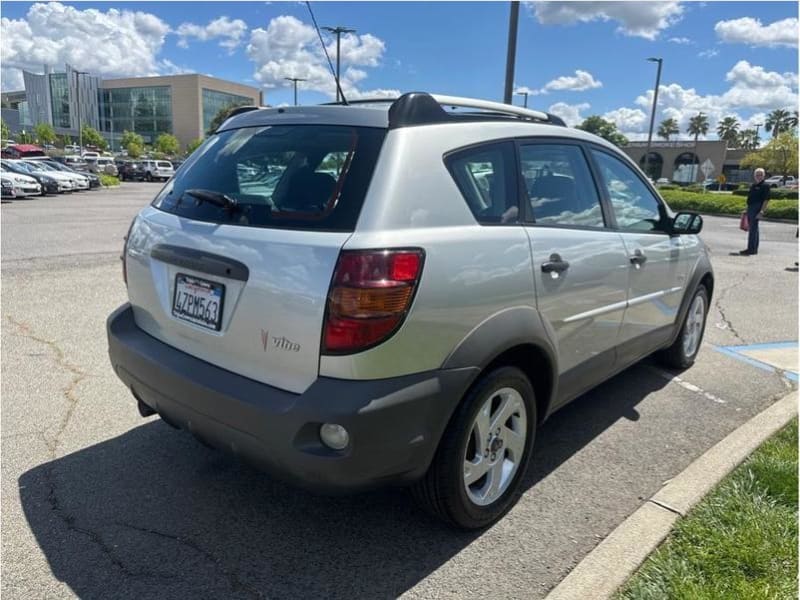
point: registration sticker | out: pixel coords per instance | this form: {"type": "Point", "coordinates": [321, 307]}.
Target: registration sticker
{"type": "Point", "coordinates": [198, 301]}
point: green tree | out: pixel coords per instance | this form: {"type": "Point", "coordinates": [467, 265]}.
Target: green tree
{"type": "Point", "coordinates": [6, 132]}
{"type": "Point", "coordinates": [221, 115]}
{"type": "Point", "coordinates": [167, 143]}
{"type": "Point", "coordinates": [134, 149]}
{"type": "Point", "coordinates": [45, 133]}
{"type": "Point", "coordinates": [793, 120]}
{"type": "Point", "coordinates": [728, 130]}
{"type": "Point", "coordinates": [63, 140]}
{"type": "Point", "coordinates": [24, 137]}
{"type": "Point", "coordinates": [698, 125]}
{"type": "Point", "coordinates": [129, 137]}
{"type": "Point", "coordinates": [193, 145]}
{"type": "Point", "coordinates": [748, 139]}
{"type": "Point", "coordinates": [779, 156]}
{"type": "Point", "coordinates": [92, 137]}
{"type": "Point", "coordinates": [778, 121]}
{"type": "Point", "coordinates": [667, 128]}
{"type": "Point", "coordinates": [605, 129]}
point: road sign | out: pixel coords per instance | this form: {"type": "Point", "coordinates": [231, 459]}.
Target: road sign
{"type": "Point", "coordinates": [707, 167]}
{"type": "Point", "coordinates": [721, 179]}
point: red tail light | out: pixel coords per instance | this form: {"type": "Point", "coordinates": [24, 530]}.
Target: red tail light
{"type": "Point", "coordinates": [369, 297]}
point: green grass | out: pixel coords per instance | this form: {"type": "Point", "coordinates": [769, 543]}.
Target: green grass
{"type": "Point", "coordinates": [740, 543]}
{"type": "Point", "coordinates": [108, 180]}
{"type": "Point", "coordinates": [725, 204]}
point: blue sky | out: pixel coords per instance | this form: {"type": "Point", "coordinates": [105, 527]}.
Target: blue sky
{"type": "Point", "coordinates": [575, 58]}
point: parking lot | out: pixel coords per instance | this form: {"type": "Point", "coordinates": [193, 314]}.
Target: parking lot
{"type": "Point", "coordinates": [99, 502]}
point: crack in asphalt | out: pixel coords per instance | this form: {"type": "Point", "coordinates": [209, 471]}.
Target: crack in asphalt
{"type": "Point", "coordinates": [235, 583]}
{"type": "Point", "coordinates": [70, 394]}
{"type": "Point", "coordinates": [718, 303]}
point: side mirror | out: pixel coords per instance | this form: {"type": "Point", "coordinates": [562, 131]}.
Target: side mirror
{"type": "Point", "coordinates": [686, 223]}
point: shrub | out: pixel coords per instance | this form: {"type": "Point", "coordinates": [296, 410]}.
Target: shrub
{"type": "Point", "coordinates": [774, 194]}
{"type": "Point", "coordinates": [727, 204]}
{"type": "Point", "coordinates": [108, 180]}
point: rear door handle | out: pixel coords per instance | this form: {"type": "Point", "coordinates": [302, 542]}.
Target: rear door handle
{"type": "Point", "coordinates": [638, 258]}
{"type": "Point", "coordinates": [555, 264]}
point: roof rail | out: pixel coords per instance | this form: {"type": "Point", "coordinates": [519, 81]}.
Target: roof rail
{"type": "Point", "coordinates": [242, 109]}
{"type": "Point", "coordinates": [420, 108]}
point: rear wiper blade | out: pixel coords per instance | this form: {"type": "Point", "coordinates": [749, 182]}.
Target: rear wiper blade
{"type": "Point", "coordinates": [216, 198]}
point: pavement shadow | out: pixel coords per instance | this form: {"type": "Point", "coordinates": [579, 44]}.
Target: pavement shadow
{"type": "Point", "coordinates": [153, 514]}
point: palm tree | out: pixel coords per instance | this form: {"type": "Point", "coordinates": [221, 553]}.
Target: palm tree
{"type": "Point", "coordinates": [728, 130]}
{"type": "Point", "coordinates": [698, 126]}
{"type": "Point", "coordinates": [748, 139]}
{"type": "Point", "coordinates": [667, 128]}
{"type": "Point", "coordinates": [778, 121]}
{"type": "Point", "coordinates": [792, 121]}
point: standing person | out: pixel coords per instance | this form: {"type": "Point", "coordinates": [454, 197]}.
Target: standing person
{"type": "Point", "coordinates": [757, 200]}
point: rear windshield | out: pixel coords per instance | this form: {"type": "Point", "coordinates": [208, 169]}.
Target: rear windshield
{"type": "Point", "coordinates": [281, 176]}
{"type": "Point", "coordinates": [163, 164]}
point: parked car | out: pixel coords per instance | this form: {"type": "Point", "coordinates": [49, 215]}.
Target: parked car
{"type": "Point", "coordinates": [414, 318]}
{"type": "Point", "coordinates": [27, 181]}
{"type": "Point", "coordinates": [94, 180]}
{"type": "Point", "coordinates": [79, 182]}
{"type": "Point", "coordinates": [777, 181]}
{"type": "Point", "coordinates": [22, 151]}
{"type": "Point", "coordinates": [102, 164]}
{"type": "Point", "coordinates": [157, 169]}
{"type": "Point", "coordinates": [7, 186]}
{"type": "Point", "coordinates": [132, 171]}
{"type": "Point", "coordinates": [89, 155]}
{"type": "Point", "coordinates": [662, 181]}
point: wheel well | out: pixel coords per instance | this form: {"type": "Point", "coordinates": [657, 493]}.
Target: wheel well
{"type": "Point", "coordinates": [536, 365]}
{"type": "Point", "coordinates": [708, 282]}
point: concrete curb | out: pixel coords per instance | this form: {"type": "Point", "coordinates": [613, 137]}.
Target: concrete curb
{"type": "Point", "coordinates": [617, 557]}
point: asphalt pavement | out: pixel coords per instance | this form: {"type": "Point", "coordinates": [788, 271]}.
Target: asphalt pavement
{"type": "Point", "coordinates": [98, 502]}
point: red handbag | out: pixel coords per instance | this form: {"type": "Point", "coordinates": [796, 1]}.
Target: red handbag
{"type": "Point", "coordinates": [744, 222]}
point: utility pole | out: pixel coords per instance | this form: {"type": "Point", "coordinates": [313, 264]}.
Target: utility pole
{"type": "Point", "coordinates": [338, 30]}
{"type": "Point", "coordinates": [295, 80]}
{"type": "Point", "coordinates": [755, 141]}
{"type": "Point", "coordinates": [78, 104]}
{"type": "Point", "coordinates": [653, 115]}
{"type": "Point", "coordinates": [511, 56]}
{"type": "Point", "coordinates": [526, 97]}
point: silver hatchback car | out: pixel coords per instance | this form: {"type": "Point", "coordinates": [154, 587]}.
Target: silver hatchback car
{"type": "Point", "coordinates": [400, 292]}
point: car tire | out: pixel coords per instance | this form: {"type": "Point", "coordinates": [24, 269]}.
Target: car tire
{"type": "Point", "coordinates": [500, 398]}
{"type": "Point", "coordinates": [683, 351]}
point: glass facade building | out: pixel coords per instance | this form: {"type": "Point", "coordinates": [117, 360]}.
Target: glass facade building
{"type": "Point", "coordinates": [214, 101]}
{"type": "Point", "coordinates": [59, 100]}
{"type": "Point", "coordinates": [143, 110]}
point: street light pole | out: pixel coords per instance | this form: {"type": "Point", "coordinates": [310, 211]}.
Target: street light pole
{"type": "Point", "coordinates": [513, 20]}
{"type": "Point", "coordinates": [758, 126]}
{"type": "Point", "coordinates": [295, 80]}
{"type": "Point", "coordinates": [78, 105]}
{"type": "Point", "coordinates": [338, 30]}
{"type": "Point", "coordinates": [526, 97]}
{"type": "Point", "coordinates": [653, 115]}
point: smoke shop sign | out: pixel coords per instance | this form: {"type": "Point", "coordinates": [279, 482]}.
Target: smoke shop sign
{"type": "Point", "coordinates": [661, 145]}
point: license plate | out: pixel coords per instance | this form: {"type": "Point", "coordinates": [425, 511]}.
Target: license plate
{"type": "Point", "coordinates": [198, 301]}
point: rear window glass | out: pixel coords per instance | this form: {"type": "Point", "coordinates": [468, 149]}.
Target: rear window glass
{"type": "Point", "coordinates": [281, 176]}
{"type": "Point", "coordinates": [166, 165]}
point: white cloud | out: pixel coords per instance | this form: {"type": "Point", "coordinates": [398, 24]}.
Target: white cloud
{"type": "Point", "coordinates": [581, 82]}
{"type": "Point", "coordinates": [710, 53]}
{"type": "Point", "coordinates": [639, 19]}
{"type": "Point", "coordinates": [290, 48]}
{"type": "Point", "coordinates": [681, 40]}
{"type": "Point", "coordinates": [229, 32]}
{"type": "Point", "coordinates": [522, 89]}
{"type": "Point", "coordinates": [753, 33]}
{"type": "Point", "coordinates": [754, 87]}
{"type": "Point", "coordinates": [114, 43]}
{"type": "Point", "coordinates": [571, 113]}
{"type": "Point", "coordinates": [627, 119]}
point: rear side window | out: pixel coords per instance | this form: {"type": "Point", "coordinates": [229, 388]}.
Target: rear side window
{"type": "Point", "coordinates": [281, 176]}
{"type": "Point", "coordinates": [486, 177]}
{"type": "Point", "coordinates": [559, 186]}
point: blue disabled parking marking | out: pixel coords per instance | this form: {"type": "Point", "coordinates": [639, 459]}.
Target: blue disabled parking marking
{"type": "Point", "coordinates": [735, 352]}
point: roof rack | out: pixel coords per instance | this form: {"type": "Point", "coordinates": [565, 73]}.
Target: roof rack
{"type": "Point", "coordinates": [420, 108]}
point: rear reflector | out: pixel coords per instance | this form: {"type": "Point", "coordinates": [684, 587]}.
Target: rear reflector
{"type": "Point", "coordinates": [370, 295]}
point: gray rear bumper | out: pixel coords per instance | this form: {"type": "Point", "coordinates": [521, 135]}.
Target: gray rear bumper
{"type": "Point", "coordinates": [394, 424]}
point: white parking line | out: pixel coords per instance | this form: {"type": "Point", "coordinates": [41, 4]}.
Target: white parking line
{"type": "Point", "coordinates": [686, 385]}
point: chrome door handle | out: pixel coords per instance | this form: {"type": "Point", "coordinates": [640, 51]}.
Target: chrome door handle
{"type": "Point", "coordinates": [555, 264]}
{"type": "Point", "coordinates": [638, 258]}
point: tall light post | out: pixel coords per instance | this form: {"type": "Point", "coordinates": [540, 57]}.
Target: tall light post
{"type": "Point", "coordinates": [523, 94]}
{"type": "Point", "coordinates": [78, 105]}
{"type": "Point", "coordinates": [338, 30]}
{"type": "Point", "coordinates": [653, 115]}
{"type": "Point", "coordinates": [758, 126]}
{"type": "Point", "coordinates": [295, 80]}
{"type": "Point", "coordinates": [511, 55]}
